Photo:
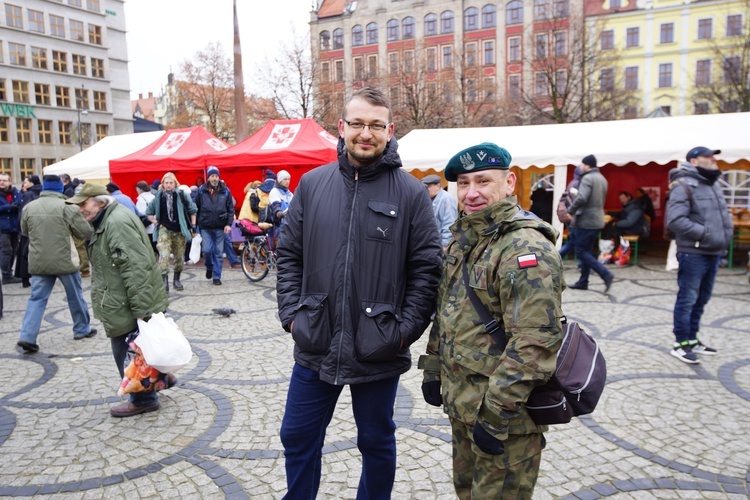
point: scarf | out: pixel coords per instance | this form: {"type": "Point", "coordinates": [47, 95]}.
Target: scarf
{"type": "Point", "coordinates": [170, 205]}
{"type": "Point", "coordinates": [710, 175]}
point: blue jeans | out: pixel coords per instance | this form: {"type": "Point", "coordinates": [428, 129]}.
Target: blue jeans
{"type": "Point", "coordinates": [41, 288]}
{"type": "Point", "coordinates": [695, 279]}
{"type": "Point", "coordinates": [568, 245]}
{"type": "Point", "coordinates": [213, 246]}
{"type": "Point", "coordinates": [229, 250]}
{"type": "Point", "coordinates": [120, 352]}
{"type": "Point", "coordinates": [309, 409]}
{"type": "Point", "coordinates": [584, 241]}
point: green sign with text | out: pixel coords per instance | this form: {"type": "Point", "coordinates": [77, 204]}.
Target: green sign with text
{"type": "Point", "coordinates": [18, 110]}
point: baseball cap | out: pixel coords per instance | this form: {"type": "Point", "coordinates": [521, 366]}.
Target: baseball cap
{"type": "Point", "coordinates": [701, 151]}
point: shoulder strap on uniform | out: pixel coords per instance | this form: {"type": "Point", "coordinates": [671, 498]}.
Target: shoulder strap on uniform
{"type": "Point", "coordinates": [491, 325]}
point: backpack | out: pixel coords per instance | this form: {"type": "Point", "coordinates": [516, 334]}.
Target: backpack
{"type": "Point", "coordinates": [562, 210]}
{"type": "Point", "coordinates": [669, 235]}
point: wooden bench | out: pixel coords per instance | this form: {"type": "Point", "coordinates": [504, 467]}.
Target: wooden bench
{"type": "Point", "coordinates": [633, 239]}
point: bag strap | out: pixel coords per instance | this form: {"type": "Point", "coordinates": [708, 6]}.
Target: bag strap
{"type": "Point", "coordinates": [491, 325]}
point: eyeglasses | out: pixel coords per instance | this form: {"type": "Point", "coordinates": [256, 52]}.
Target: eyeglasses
{"type": "Point", "coordinates": [374, 127]}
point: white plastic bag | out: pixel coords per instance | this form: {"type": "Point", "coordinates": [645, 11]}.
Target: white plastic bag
{"type": "Point", "coordinates": [195, 249]}
{"type": "Point", "coordinates": [163, 345]}
{"type": "Point", "coordinates": [672, 263]}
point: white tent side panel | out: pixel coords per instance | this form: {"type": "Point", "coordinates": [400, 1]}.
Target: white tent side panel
{"type": "Point", "coordinates": [93, 163]}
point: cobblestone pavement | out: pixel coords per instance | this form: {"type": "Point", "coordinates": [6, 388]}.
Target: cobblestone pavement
{"type": "Point", "coordinates": [663, 429]}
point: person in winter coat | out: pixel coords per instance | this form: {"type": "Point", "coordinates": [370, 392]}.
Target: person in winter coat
{"type": "Point", "coordinates": [697, 214]}
{"type": "Point", "coordinates": [280, 197]}
{"type": "Point", "coordinates": [50, 225]}
{"type": "Point", "coordinates": [567, 198]}
{"type": "Point", "coordinates": [629, 220]}
{"type": "Point", "coordinates": [215, 218]}
{"type": "Point", "coordinates": [32, 188]}
{"type": "Point", "coordinates": [444, 206]}
{"type": "Point", "coordinates": [10, 201]}
{"type": "Point", "coordinates": [126, 283]}
{"type": "Point", "coordinates": [358, 266]}
{"type": "Point", "coordinates": [141, 204]}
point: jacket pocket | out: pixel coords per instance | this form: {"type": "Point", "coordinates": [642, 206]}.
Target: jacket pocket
{"type": "Point", "coordinates": [311, 330]}
{"type": "Point", "coordinates": [381, 220]}
{"type": "Point", "coordinates": [378, 337]}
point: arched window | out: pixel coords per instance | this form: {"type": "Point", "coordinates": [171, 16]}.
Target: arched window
{"type": "Point", "coordinates": [372, 33]}
{"type": "Point", "coordinates": [514, 12]}
{"type": "Point", "coordinates": [736, 187]}
{"type": "Point", "coordinates": [407, 28]}
{"type": "Point", "coordinates": [471, 19]}
{"type": "Point", "coordinates": [338, 38]}
{"type": "Point", "coordinates": [430, 25]}
{"type": "Point", "coordinates": [358, 37]}
{"type": "Point", "coordinates": [446, 22]}
{"type": "Point", "coordinates": [392, 30]}
{"type": "Point", "coordinates": [541, 9]}
{"type": "Point", "coordinates": [325, 40]}
{"type": "Point", "coordinates": [489, 16]}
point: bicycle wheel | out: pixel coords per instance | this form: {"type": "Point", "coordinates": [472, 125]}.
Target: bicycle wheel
{"type": "Point", "coordinates": [254, 263]}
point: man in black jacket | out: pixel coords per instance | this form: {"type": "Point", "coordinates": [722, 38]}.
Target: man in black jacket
{"type": "Point", "coordinates": [215, 218]}
{"type": "Point", "coordinates": [358, 267]}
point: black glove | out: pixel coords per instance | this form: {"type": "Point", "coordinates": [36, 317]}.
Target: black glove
{"type": "Point", "coordinates": [431, 393]}
{"type": "Point", "coordinates": [486, 442]}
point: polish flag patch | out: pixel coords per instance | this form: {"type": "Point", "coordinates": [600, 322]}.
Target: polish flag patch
{"type": "Point", "coordinates": [528, 260]}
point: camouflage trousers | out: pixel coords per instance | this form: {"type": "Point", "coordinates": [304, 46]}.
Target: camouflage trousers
{"type": "Point", "coordinates": [510, 476]}
{"type": "Point", "coordinates": [171, 242]}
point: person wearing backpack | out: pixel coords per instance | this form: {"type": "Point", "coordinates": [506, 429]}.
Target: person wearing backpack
{"type": "Point", "coordinates": [508, 258]}
{"type": "Point", "coordinates": [697, 214]}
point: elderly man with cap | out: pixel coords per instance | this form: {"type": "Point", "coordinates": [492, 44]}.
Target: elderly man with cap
{"type": "Point", "coordinates": [505, 258]}
{"type": "Point", "coordinates": [699, 218]}
{"type": "Point", "coordinates": [443, 206]}
{"type": "Point", "coordinates": [215, 218]}
{"type": "Point", "coordinates": [50, 225]}
{"type": "Point", "coordinates": [127, 282]}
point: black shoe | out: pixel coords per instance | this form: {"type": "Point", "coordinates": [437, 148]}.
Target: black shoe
{"type": "Point", "coordinates": [209, 273]}
{"type": "Point", "coordinates": [128, 409]}
{"type": "Point", "coordinates": [608, 282]}
{"type": "Point", "coordinates": [579, 286]}
{"type": "Point", "coordinates": [217, 281]}
{"type": "Point", "coordinates": [25, 283]}
{"type": "Point", "coordinates": [235, 265]}
{"type": "Point", "coordinates": [11, 280]}
{"type": "Point", "coordinates": [91, 333]}
{"type": "Point", "coordinates": [176, 283]}
{"type": "Point", "coordinates": [27, 346]}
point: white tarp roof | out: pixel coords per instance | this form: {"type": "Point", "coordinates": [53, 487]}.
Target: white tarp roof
{"type": "Point", "coordinates": [659, 140]}
{"type": "Point", "coordinates": [93, 163]}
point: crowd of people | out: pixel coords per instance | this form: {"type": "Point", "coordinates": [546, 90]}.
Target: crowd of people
{"type": "Point", "coordinates": [368, 257]}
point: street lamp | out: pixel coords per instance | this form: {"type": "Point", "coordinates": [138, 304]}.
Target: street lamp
{"type": "Point", "coordinates": [81, 111]}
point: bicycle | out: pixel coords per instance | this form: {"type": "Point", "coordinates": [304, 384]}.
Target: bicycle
{"type": "Point", "coordinates": [258, 256]}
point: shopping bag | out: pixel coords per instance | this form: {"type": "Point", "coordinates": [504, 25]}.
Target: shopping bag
{"type": "Point", "coordinates": [163, 345]}
{"type": "Point", "coordinates": [672, 263]}
{"type": "Point", "coordinates": [195, 249]}
{"type": "Point", "coordinates": [623, 253]}
{"type": "Point", "coordinates": [138, 375]}
{"type": "Point", "coordinates": [606, 248]}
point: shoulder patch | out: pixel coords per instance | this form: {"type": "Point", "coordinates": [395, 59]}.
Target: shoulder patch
{"type": "Point", "coordinates": [528, 260]}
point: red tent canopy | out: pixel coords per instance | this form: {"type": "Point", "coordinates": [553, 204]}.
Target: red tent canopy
{"type": "Point", "coordinates": [182, 151]}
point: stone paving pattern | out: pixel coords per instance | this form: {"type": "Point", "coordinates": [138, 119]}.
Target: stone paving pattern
{"type": "Point", "coordinates": [663, 429]}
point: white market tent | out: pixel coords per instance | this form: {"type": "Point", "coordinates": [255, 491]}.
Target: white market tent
{"type": "Point", "coordinates": [92, 164]}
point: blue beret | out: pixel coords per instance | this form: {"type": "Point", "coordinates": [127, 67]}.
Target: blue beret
{"type": "Point", "coordinates": [485, 156]}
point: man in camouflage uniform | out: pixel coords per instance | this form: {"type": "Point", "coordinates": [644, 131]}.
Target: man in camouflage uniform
{"type": "Point", "coordinates": [516, 272]}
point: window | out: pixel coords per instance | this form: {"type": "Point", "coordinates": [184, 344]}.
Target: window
{"type": "Point", "coordinates": [431, 56]}
{"type": "Point", "coordinates": [489, 88]}
{"type": "Point", "coordinates": [82, 98]}
{"type": "Point", "coordinates": [13, 16]}
{"type": "Point", "coordinates": [26, 167]}
{"type": "Point", "coordinates": [489, 52]}
{"type": "Point", "coordinates": [665, 75]}
{"type": "Point", "coordinates": [607, 80]}
{"type": "Point", "coordinates": [1, 52]}
{"type": "Point", "coordinates": [447, 56]}
{"type": "Point", "coordinates": [667, 33]}
{"type": "Point", "coordinates": [325, 73]}
{"type": "Point", "coordinates": [41, 93]}
{"type": "Point", "coordinates": [541, 9]}
{"type": "Point", "coordinates": [471, 19]}
{"type": "Point", "coordinates": [6, 166]}
{"type": "Point", "coordinates": [36, 21]}
{"type": "Point", "coordinates": [76, 30]}
{"type": "Point", "coordinates": [430, 25]}
{"type": "Point", "coordinates": [57, 26]}
{"type": "Point", "coordinates": [514, 49]}
{"type": "Point", "coordinates": [359, 69]}
{"type": "Point", "coordinates": [393, 93]}
{"type": "Point", "coordinates": [447, 93]}
{"type": "Point", "coordinates": [701, 108]}
{"type": "Point", "coordinates": [607, 40]}
{"type": "Point", "coordinates": [446, 22]}
{"type": "Point", "coordinates": [75, 3]}
{"type": "Point", "coordinates": [489, 16]}
{"type": "Point", "coordinates": [633, 38]}
{"type": "Point", "coordinates": [38, 58]}
{"type": "Point", "coordinates": [514, 12]}
{"type": "Point", "coordinates": [561, 8]}
{"type": "Point", "coordinates": [3, 97]}
{"type": "Point", "coordinates": [372, 66]}
{"type": "Point", "coordinates": [391, 30]}
{"type": "Point", "coordinates": [705, 29]}
{"type": "Point", "coordinates": [732, 73]}
{"type": "Point", "coordinates": [339, 68]}
{"type": "Point", "coordinates": [17, 53]}
{"type": "Point", "coordinates": [338, 38]}
{"type": "Point", "coordinates": [325, 40]}
{"type": "Point", "coordinates": [102, 131]}
{"type": "Point", "coordinates": [20, 91]}
{"type": "Point", "coordinates": [93, 5]}
{"type": "Point", "coordinates": [4, 136]}
{"type": "Point", "coordinates": [45, 131]}
{"type": "Point", "coordinates": [703, 72]}
{"type": "Point", "coordinates": [561, 44]}
{"type": "Point", "coordinates": [471, 54]}
{"type": "Point", "coordinates": [615, 4]}
{"type": "Point", "coordinates": [630, 112]}
{"type": "Point", "coordinates": [100, 101]}
{"type": "Point", "coordinates": [23, 130]}
{"type": "Point", "coordinates": [734, 25]}
{"type": "Point", "coordinates": [95, 34]}
{"type": "Point", "coordinates": [62, 97]}
{"type": "Point", "coordinates": [561, 82]}
{"type": "Point", "coordinates": [407, 28]}
{"type": "Point", "coordinates": [541, 46]}
{"type": "Point", "coordinates": [357, 36]}
{"type": "Point", "coordinates": [97, 67]}
{"type": "Point", "coordinates": [60, 61]}
{"type": "Point", "coordinates": [46, 162]}
{"type": "Point", "coordinates": [79, 64]}
{"type": "Point", "coordinates": [631, 78]}
{"type": "Point", "coordinates": [471, 90]}
{"type": "Point", "coordinates": [372, 33]}
{"type": "Point", "coordinates": [540, 84]}
{"type": "Point", "coordinates": [409, 61]}
{"type": "Point", "coordinates": [393, 63]}
{"type": "Point", "coordinates": [64, 135]}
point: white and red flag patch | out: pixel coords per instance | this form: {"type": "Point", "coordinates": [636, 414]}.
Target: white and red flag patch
{"type": "Point", "coordinates": [528, 260]}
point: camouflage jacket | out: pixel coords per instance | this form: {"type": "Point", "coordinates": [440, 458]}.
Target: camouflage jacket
{"type": "Point", "coordinates": [516, 272]}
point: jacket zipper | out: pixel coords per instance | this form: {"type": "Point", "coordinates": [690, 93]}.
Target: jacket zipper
{"type": "Point", "coordinates": [346, 273]}
{"type": "Point", "coordinates": [515, 296]}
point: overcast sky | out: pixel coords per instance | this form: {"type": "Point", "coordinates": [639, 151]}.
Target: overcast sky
{"type": "Point", "coordinates": [163, 33]}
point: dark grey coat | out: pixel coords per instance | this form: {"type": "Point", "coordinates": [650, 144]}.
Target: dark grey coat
{"type": "Point", "coordinates": [588, 207]}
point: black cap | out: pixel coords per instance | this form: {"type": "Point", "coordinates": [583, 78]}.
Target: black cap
{"type": "Point", "coordinates": [589, 160]}
{"type": "Point", "coordinates": [431, 179]}
{"type": "Point", "coordinates": [701, 151]}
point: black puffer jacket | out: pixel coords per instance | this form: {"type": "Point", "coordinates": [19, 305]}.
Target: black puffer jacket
{"type": "Point", "coordinates": [217, 211]}
{"type": "Point", "coordinates": [358, 268]}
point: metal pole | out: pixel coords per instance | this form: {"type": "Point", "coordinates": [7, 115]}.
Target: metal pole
{"type": "Point", "coordinates": [80, 139]}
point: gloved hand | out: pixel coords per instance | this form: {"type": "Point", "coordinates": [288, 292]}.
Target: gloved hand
{"type": "Point", "coordinates": [486, 442]}
{"type": "Point", "coordinates": [431, 393]}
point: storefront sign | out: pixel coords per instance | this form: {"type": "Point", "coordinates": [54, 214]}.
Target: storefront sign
{"type": "Point", "coordinates": [18, 110]}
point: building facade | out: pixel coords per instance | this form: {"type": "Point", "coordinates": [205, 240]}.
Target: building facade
{"type": "Point", "coordinates": [64, 81]}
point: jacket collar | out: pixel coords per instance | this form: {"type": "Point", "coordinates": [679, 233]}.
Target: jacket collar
{"type": "Point", "coordinates": [388, 161]}
{"type": "Point", "coordinates": [52, 194]}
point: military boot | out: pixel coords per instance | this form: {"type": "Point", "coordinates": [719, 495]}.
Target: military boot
{"type": "Point", "coordinates": [176, 281]}
{"type": "Point", "coordinates": [165, 277]}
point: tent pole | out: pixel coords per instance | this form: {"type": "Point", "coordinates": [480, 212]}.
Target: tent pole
{"type": "Point", "coordinates": [561, 176]}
